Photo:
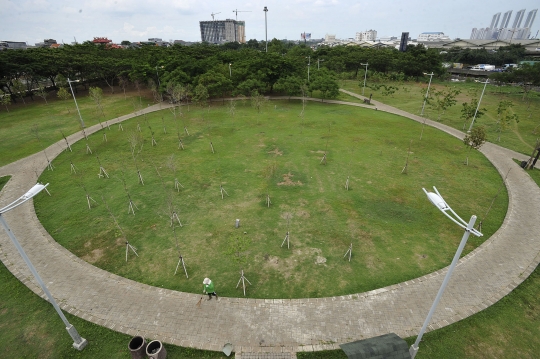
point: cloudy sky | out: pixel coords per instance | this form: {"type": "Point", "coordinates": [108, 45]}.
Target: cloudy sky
{"type": "Point", "coordinates": [136, 20]}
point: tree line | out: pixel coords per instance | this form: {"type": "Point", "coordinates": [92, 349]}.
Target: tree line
{"type": "Point", "coordinates": [230, 69]}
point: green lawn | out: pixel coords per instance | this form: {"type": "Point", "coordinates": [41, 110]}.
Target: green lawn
{"type": "Point", "coordinates": [395, 231]}
{"type": "Point", "coordinates": [520, 137]}
{"type": "Point", "coordinates": [27, 129]}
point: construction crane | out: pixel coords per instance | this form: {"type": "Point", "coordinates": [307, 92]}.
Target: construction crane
{"type": "Point", "coordinates": [237, 11]}
{"type": "Point", "coordinates": [214, 13]}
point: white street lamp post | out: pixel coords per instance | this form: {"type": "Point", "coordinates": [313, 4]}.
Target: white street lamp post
{"type": "Point", "coordinates": [427, 92]}
{"type": "Point", "coordinates": [265, 28]}
{"type": "Point", "coordinates": [230, 71]}
{"type": "Point", "coordinates": [308, 65]}
{"type": "Point", "coordinates": [365, 77]}
{"type": "Point", "coordinates": [439, 202]}
{"type": "Point", "coordinates": [477, 107]}
{"type": "Point", "coordinates": [157, 75]}
{"type": "Point", "coordinates": [318, 63]}
{"type": "Point", "coordinates": [78, 342]}
{"type": "Point", "coordinates": [74, 99]}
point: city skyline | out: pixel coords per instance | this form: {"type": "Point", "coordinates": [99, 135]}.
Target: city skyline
{"type": "Point", "coordinates": [32, 21]}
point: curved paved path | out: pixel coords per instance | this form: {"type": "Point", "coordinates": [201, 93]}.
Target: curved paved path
{"type": "Point", "coordinates": [256, 325]}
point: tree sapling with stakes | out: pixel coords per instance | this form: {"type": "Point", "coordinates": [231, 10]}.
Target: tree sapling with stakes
{"type": "Point", "coordinates": [237, 250]}
{"type": "Point", "coordinates": [128, 245]}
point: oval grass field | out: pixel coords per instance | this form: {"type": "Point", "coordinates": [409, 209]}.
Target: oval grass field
{"type": "Point", "coordinates": [302, 162]}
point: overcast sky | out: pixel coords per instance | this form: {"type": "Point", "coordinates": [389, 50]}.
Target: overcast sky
{"type": "Point", "coordinates": [137, 20]}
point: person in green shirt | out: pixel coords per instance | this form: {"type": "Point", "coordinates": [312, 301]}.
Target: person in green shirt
{"type": "Point", "coordinates": [208, 288]}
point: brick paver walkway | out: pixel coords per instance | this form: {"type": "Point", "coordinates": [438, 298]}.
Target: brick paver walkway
{"type": "Point", "coordinates": [276, 325]}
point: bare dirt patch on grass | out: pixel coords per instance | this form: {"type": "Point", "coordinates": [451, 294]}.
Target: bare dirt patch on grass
{"type": "Point", "coordinates": [287, 180]}
{"type": "Point", "coordinates": [94, 256]}
{"type": "Point", "coordinates": [276, 152]}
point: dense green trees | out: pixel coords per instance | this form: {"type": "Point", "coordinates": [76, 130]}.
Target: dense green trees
{"type": "Point", "coordinates": [225, 70]}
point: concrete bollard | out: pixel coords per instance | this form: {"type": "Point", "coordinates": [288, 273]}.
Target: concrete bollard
{"type": "Point", "coordinates": [237, 224]}
{"type": "Point", "coordinates": [137, 347]}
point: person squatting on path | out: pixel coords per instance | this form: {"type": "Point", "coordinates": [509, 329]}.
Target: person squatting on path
{"type": "Point", "coordinates": [208, 288]}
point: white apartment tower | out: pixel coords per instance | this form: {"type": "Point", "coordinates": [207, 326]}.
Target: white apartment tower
{"type": "Point", "coordinates": [368, 35]}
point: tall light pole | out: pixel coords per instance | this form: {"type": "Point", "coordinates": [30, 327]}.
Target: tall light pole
{"type": "Point", "coordinates": [265, 28]}
{"type": "Point", "coordinates": [74, 99]}
{"type": "Point", "coordinates": [439, 202]}
{"type": "Point", "coordinates": [318, 62]}
{"type": "Point", "coordinates": [427, 92]}
{"type": "Point", "coordinates": [230, 71]}
{"type": "Point", "coordinates": [157, 75]}
{"type": "Point", "coordinates": [308, 65]}
{"type": "Point", "coordinates": [477, 107]}
{"type": "Point", "coordinates": [365, 77]}
{"type": "Point", "coordinates": [78, 342]}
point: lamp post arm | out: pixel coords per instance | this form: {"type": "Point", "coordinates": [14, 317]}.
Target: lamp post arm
{"type": "Point", "coordinates": [414, 348]}
{"type": "Point", "coordinates": [25, 197]}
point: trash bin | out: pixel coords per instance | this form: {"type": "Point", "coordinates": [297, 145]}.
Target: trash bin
{"type": "Point", "coordinates": [156, 350]}
{"type": "Point", "coordinates": [137, 347]}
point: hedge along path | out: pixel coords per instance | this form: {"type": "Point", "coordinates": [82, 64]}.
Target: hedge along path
{"type": "Point", "coordinates": [481, 278]}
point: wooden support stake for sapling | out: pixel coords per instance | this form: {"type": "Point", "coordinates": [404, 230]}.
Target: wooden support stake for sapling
{"type": "Point", "coordinates": [102, 173]}
{"type": "Point", "coordinates": [128, 245]}
{"type": "Point", "coordinates": [88, 148]}
{"type": "Point", "coordinates": [185, 129]}
{"type": "Point", "coordinates": [287, 236]}
{"type": "Point", "coordinates": [139, 127]}
{"type": "Point", "coordinates": [88, 198]}
{"type": "Point", "coordinates": [177, 185]}
{"type": "Point", "coordinates": [212, 147]}
{"type": "Point", "coordinates": [180, 144]}
{"type": "Point", "coordinates": [131, 205]}
{"type": "Point", "coordinates": [268, 202]}
{"type": "Point", "coordinates": [243, 279]}
{"type": "Point", "coordinates": [349, 252]}
{"type": "Point", "coordinates": [107, 124]}
{"type": "Point", "coordinates": [164, 127]}
{"type": "Point", "coordinates": [120, 128]}
{"type": "Point", "coordinates": [73, 168]}
{"type": "Point", "coordinates": [174, 217]}
{"type": "Point", "coordinates": [286, 240]}
{"type": "Point", "coordinates": [180, 258]}
{"type": "Point", "coordinates": [222, 190]}
{"type": "Point", "coordinates": [50, 166]}
{"type": "Point", "coordinates": [323, 160]}
{"type": "Point", "coordinates": [347, 183]}
{"type": "Point", "coordinates": [104, 137]}
{"type": "Point", "coordinates": [67, 143]}
{"type": "Point", "coordinates": [404, 171]}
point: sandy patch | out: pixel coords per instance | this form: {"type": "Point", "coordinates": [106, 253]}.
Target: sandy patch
{"type": "Point", "coordinates": [276, 152]}
{"type": "Point", "coordinates": [287, 180]}
{"type": "Point", "coordinates": [93, 256]}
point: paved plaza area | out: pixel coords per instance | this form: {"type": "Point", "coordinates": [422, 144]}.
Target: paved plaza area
{"type": "Point", "coordinates": [276, 325]}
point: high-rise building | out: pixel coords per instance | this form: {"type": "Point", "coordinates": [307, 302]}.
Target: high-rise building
{"type": "Point", "coordinates": [518, 19]}
{"type": "Point", "coordinates": [221, 31]}
{"type": "Point", "coordinates": [368, 35]}
{"type": "Point", "coordinates": [506, 19]}
{"type": "Point", "coordinates": [495, 20]}
{"type": "Point", "coordinates": [530, 18]}
{"type": "Point", "coordinates": [504, 32]}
